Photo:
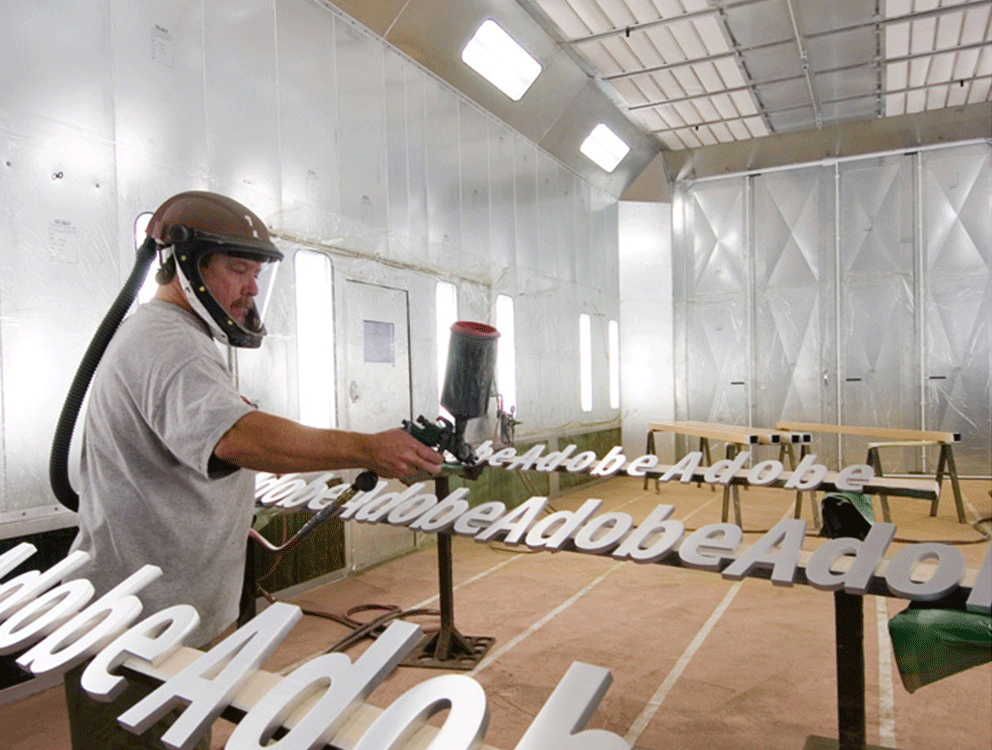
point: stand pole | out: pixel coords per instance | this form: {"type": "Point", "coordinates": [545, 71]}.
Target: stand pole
{"type": "Point", "coordinates": [849, 628]}
{"type": "Point", "coordinates": [447, 649]}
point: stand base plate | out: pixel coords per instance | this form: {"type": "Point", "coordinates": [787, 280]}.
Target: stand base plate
{"type": "Point", "coordinates": [462, 652]}
{"type": "Point", "coordinates": [814, 742]}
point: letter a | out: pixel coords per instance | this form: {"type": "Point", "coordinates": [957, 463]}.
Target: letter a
{"type": "Point", "coordinates": [230, 663]}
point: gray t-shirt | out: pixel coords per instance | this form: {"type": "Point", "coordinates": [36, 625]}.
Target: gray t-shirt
{"type": "Point", "coordinates": [149, 492]}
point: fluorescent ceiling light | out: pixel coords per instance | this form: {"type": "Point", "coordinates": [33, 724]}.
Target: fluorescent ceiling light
{"type": "Point", "coordinates": [494, 55]}
{"type": "Point", "coordinates": [604, 147]}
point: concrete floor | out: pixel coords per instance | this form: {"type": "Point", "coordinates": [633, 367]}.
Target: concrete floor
{"type": "Point", "coordinates": [697, 661]}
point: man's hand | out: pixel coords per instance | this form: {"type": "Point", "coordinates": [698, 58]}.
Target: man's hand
{"type": "Point", "coordinates": [396, 453]}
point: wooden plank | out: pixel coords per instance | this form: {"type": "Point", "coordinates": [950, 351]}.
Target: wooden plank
{"type": "Point", "coordinates": [882, 432]}
{"type": "Point", "coordinates": [714, 432]}
{"type": "Point", "coordinates": [258, 686]}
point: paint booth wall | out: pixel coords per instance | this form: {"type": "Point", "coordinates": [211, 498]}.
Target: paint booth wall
{"type": "Point", "coordinates": [855, 292]}
{"type": "Point", "coordinates": [341, 144]}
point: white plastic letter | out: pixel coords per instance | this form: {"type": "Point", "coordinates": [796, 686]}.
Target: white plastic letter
{"type": "Point", "coordinates": [444, 514]}
{"type": "Point", "coordinates": [552, 531]}
{"type": "Point", "coordinates": [641, 465]}
{"type": "Point", "coordinates": [980, 599]}
{"type": "Point", "coordinates": [945, 579]}
{"type": "Point", "coordinates": [152, 639]}
{"type": "Point", "coordinates": [723, 471]}
{"type": "Point", "coordinates": [853, 478]}
{"type": "Point", "coordinates": [92, 629]}
{"type": "Point", "coordinates": [807, 476]}
{"type": "Point", "coordinates": [230, 663]}
{"type": "Point", "coordinates": [34, 621]}
{"type": "Point", "coordinates": [867, 554]}
{"type": "Point", "coordinates": [344, 686]}
{"type": "Point", "coordinates": [700, 547]}
{"type": "Point", "coordinates": [633, 546]}
{"type": "Point", "coordinates": [472, 521]}
{"type": "Point", "coordinates": [787, 535]}
{"type": "Point", "coordinates": [463, 728]}
{"type": "Point", "coordinates": [611, 463]}
{"type": "Point", "coordinates": [686, 467]}
{"type": "Point", "coordinates": [561, 721]}
{"type": "Point", "coordinates": [515, 523]}
{"type": "Point", "coordinates": [17, 591]}
{"type": "Point", "coordinates": [591, 539]}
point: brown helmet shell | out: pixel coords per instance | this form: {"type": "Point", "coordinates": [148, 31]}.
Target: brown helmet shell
{"type": "Point", "coordinates": [212, 214]}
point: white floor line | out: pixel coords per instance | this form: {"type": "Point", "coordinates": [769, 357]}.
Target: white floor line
{"type": "Point", "coordinates": [886, 699]}
{"type": "Point", "coordinates": [652, 706]}
{"type": "Point", "coordinates": [544, 620]}
{"type": "Point", "coordinates": [467, 581]}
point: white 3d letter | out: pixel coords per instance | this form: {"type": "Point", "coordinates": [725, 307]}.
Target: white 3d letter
{"type": "Point", "coordinates": [344, 685]}
{"type": "Point", "coordinates": [463, 728]}
{"type": "Point", "coordinates": [560, 723]}
{"type": "Point", "coordinates": [230, 663]}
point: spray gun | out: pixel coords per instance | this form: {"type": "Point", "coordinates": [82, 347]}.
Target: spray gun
{"type": "Point", "coordinates": [468, 379]}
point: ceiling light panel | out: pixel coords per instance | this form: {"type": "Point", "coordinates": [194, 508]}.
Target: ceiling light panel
{"type": "Point", "coordinates": [498, 58]}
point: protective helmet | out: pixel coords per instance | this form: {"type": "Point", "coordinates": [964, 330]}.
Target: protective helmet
{"type": "Point", "coordinates": [192, 225]}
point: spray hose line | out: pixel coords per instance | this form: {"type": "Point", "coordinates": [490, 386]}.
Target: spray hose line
{"type": "Point", "coordinates": [58, 465]}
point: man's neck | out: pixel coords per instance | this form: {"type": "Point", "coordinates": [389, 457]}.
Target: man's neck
{"type": "Point", "coordinates": [172, 294]}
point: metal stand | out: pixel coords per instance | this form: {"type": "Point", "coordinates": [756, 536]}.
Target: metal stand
{"type": "Point", "coordinates": [849, 632]}
{"type": "Point", "coordinates": [447, 649]}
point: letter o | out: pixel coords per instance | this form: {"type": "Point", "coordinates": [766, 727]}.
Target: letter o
{"type": "Point", "coordinates": [945, 579]}
{"type": "Point", "coordinates": [614, 527]}
{"type": "Point", "coordinates": [581, 462]}
{"type": "Point", "coordinates": [765, 472]}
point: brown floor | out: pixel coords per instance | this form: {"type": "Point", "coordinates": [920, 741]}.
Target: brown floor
{"type": "Point", "coordinates": [697, 661]}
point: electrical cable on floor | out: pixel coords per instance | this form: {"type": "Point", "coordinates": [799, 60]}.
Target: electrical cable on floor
{"type": "Point", "coordinates": [361, 630]}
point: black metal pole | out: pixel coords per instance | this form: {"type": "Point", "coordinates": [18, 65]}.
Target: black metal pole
{"type": "Point", "coordinates": [445, 579]}
{"type": "Point", "coordinates": [849, 630]}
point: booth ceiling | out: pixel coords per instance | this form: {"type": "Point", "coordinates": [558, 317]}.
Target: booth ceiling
{"type": "Point", "coordinates": [699, 87]}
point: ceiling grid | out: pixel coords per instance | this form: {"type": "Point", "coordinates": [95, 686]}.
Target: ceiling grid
{"type": "Point", "coordinates": [697, 73]}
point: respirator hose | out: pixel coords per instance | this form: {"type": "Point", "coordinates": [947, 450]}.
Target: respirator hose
{"type": "Point", "coordinates": [58, 464]}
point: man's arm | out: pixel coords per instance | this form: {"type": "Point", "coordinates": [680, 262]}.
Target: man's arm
{"type": "Point", "coordinates": [266, 442]}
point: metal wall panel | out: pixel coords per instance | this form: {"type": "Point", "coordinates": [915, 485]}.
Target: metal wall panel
{"type": "Point", "coordinates": [443, 171]}
{"type": "Point", "coordinates": [861, 295]}
{"type": "Point", "coordinates": [794, 293]}
{"type": "Point", "coordinates": [401, 109]}
{"type": "Point", "coordinates": [712, 293]}
{"type": "Point", "coordinates": [502, 242]}
{"type": "Point", "coordinates": [240, 86]}
{"type": "Point", "coordinates": [473, 257]}
{"type": "Point", "coordinates": [879, 355]}
{"type": "Point", "coordinates": [59, 272]}
{"type": "Point", "coordinates": [957, 302]}
{"type": "Point", "coordinates": [362, 136]}
{"type": "Point", "coordinates": [309, 122]}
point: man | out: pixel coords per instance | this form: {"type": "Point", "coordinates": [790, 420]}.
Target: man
{"type": "Point", "coordinates": [167, 435]}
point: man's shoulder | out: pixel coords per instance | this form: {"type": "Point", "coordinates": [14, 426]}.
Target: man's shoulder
{"type": "Point", "coordinates": [161, 332]}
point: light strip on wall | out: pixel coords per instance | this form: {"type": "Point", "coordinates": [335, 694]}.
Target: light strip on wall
{"type": "Point", "coordinates": [506, 363]}
{"type": "Point", "coordinates": [585, 362]}
{"type": "Point", "coordinates": [315, 338]}
{"type": "Point", "coordinates": [493, 54]}
{"type": "Point", "coordinates": [604, 147]}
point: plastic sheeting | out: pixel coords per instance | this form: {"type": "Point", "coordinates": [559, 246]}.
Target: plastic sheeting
{"type": "Point", "coordinates": [931, 644]}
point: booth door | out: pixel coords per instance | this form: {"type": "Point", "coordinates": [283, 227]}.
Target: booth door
{"type": "Point", "coordinates": [377, 396]}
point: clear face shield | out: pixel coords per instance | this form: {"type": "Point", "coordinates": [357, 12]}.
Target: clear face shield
{"type": "Point", "coordinates": [228, 286]}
